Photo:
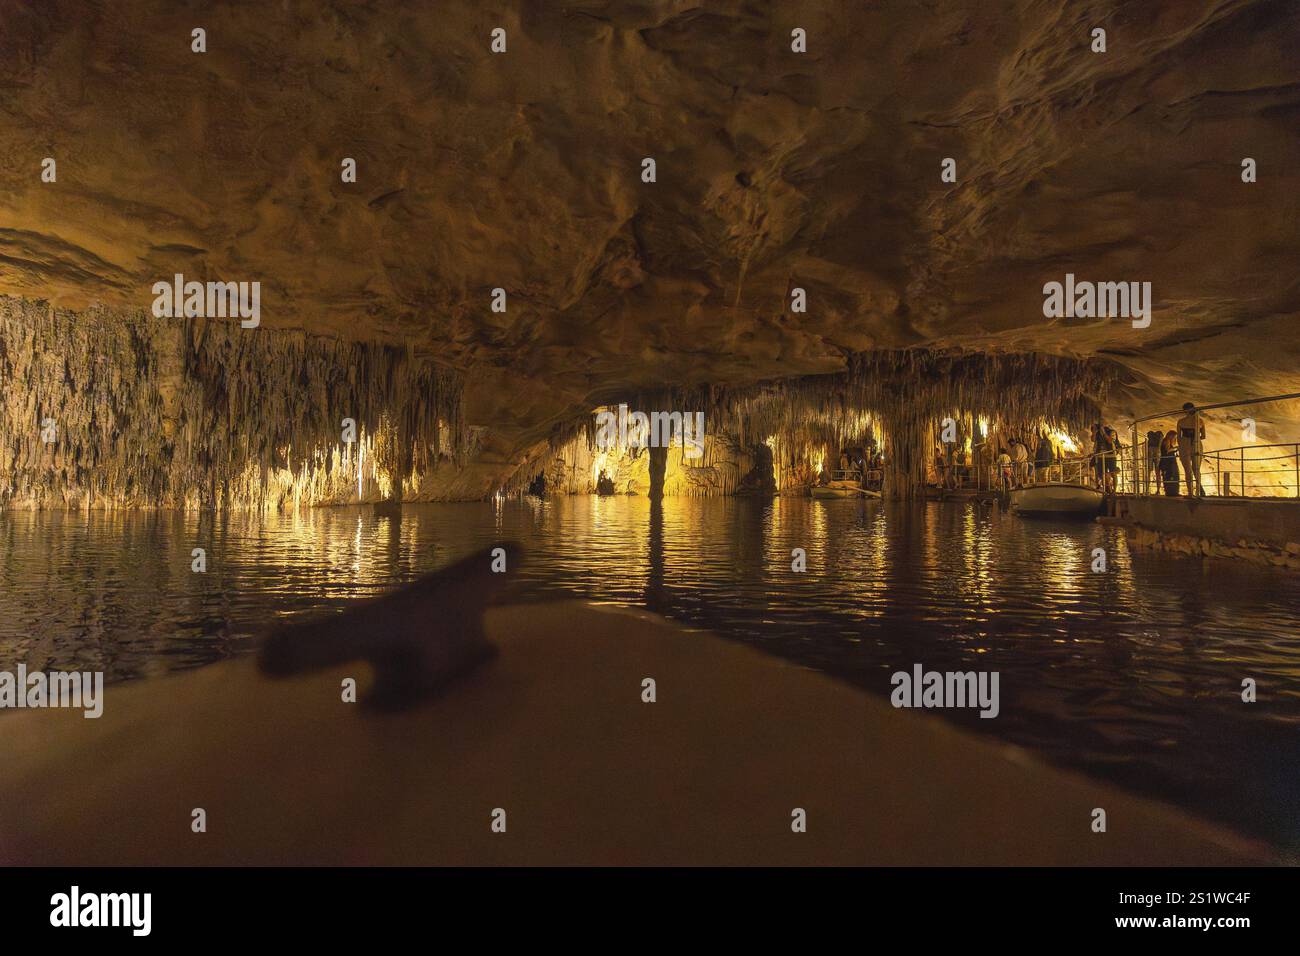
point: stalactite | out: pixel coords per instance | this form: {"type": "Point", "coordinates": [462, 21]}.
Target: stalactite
{"type": "Point", "coordinates": [191, 412]}
{"type": "Point", "coordinates": [896, 397]}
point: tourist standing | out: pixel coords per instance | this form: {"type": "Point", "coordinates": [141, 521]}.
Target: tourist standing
{"type": "Point", "coordinates": [1020, 453]}
{"type": "Point", "coordinates": [1104, 464]}
{"type": "Point", "coordinates": [1153, 471]}
{"type": "Point", "coordinates": [1190, 435]}
{"type": "Point", "coordinates": [941, 469]}
{"type": "Point", "coordinates": [1112, 458]}
{"type": "Point", "coordinates": [1043, 458]}
{"type": "Point", "coordinates": [1004, 471]}
{"type": "Point", "coordinates": [1169, 463]}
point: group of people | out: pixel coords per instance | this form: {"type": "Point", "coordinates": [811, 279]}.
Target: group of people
{"type": "Point", "coordinates": [864, 463]}
{"type": "Point", "coordinates": [950, 467]}
{"type": "Point", "coordinates": [1165, 452]}
{"type": "Point", "coordinates": [1015, 467]}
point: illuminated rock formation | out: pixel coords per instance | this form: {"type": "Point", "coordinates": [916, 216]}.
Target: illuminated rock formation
{"type": "Point", "coordinates": [104, 409]}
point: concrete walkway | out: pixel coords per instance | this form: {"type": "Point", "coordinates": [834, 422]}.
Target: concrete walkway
{"type": "Point", "coordinates": [1260, 529]}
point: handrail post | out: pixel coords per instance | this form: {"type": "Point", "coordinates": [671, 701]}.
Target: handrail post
{"type": "Point", "coordinates": [1133, 456]}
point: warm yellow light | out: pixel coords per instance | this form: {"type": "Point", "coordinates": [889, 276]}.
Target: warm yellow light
{"type": "Point", "coordinates": [1064, 440]}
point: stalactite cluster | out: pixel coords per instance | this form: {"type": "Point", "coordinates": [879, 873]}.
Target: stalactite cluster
{"type": "Point", "coordinates": [109, 408]}
{"type": "Point", "coordinates": [896, 397]}
{"type": "Point", "coordinates": [913, 389]}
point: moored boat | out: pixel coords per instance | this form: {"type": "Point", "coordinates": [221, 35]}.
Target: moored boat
{"type": "Point", "coordinates": [838, 489]}
{"type": "Point", "coordinates": [1055, 500]}
{"type": "Point", "coordinates": [843, 485]}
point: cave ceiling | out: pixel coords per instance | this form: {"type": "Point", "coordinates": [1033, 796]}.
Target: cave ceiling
{"type": "Point", "coordinates": [774, 170]}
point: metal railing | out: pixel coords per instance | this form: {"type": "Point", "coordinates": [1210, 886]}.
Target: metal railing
{"type": "Point", "coordinates": [1254, 471]}
{"type": "Point", "coordinates": [1228, 470]}
{"type": "Point", "coordinates": [993, 476]}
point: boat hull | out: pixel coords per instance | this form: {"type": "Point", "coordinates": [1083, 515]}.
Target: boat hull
{"type": "Point", "coordinates": [1057, 501]}
{"type": "Point", "coordinates": [271, 759]}
{"type": "Point", "coordinates": [836, 490]}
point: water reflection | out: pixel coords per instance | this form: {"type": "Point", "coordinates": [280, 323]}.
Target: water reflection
{"type": "Point", "coordinates": [1134, 674]}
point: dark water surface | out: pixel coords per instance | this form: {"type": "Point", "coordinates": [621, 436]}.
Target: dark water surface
{"type": "Point", "coordinates": [1132, 675]}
